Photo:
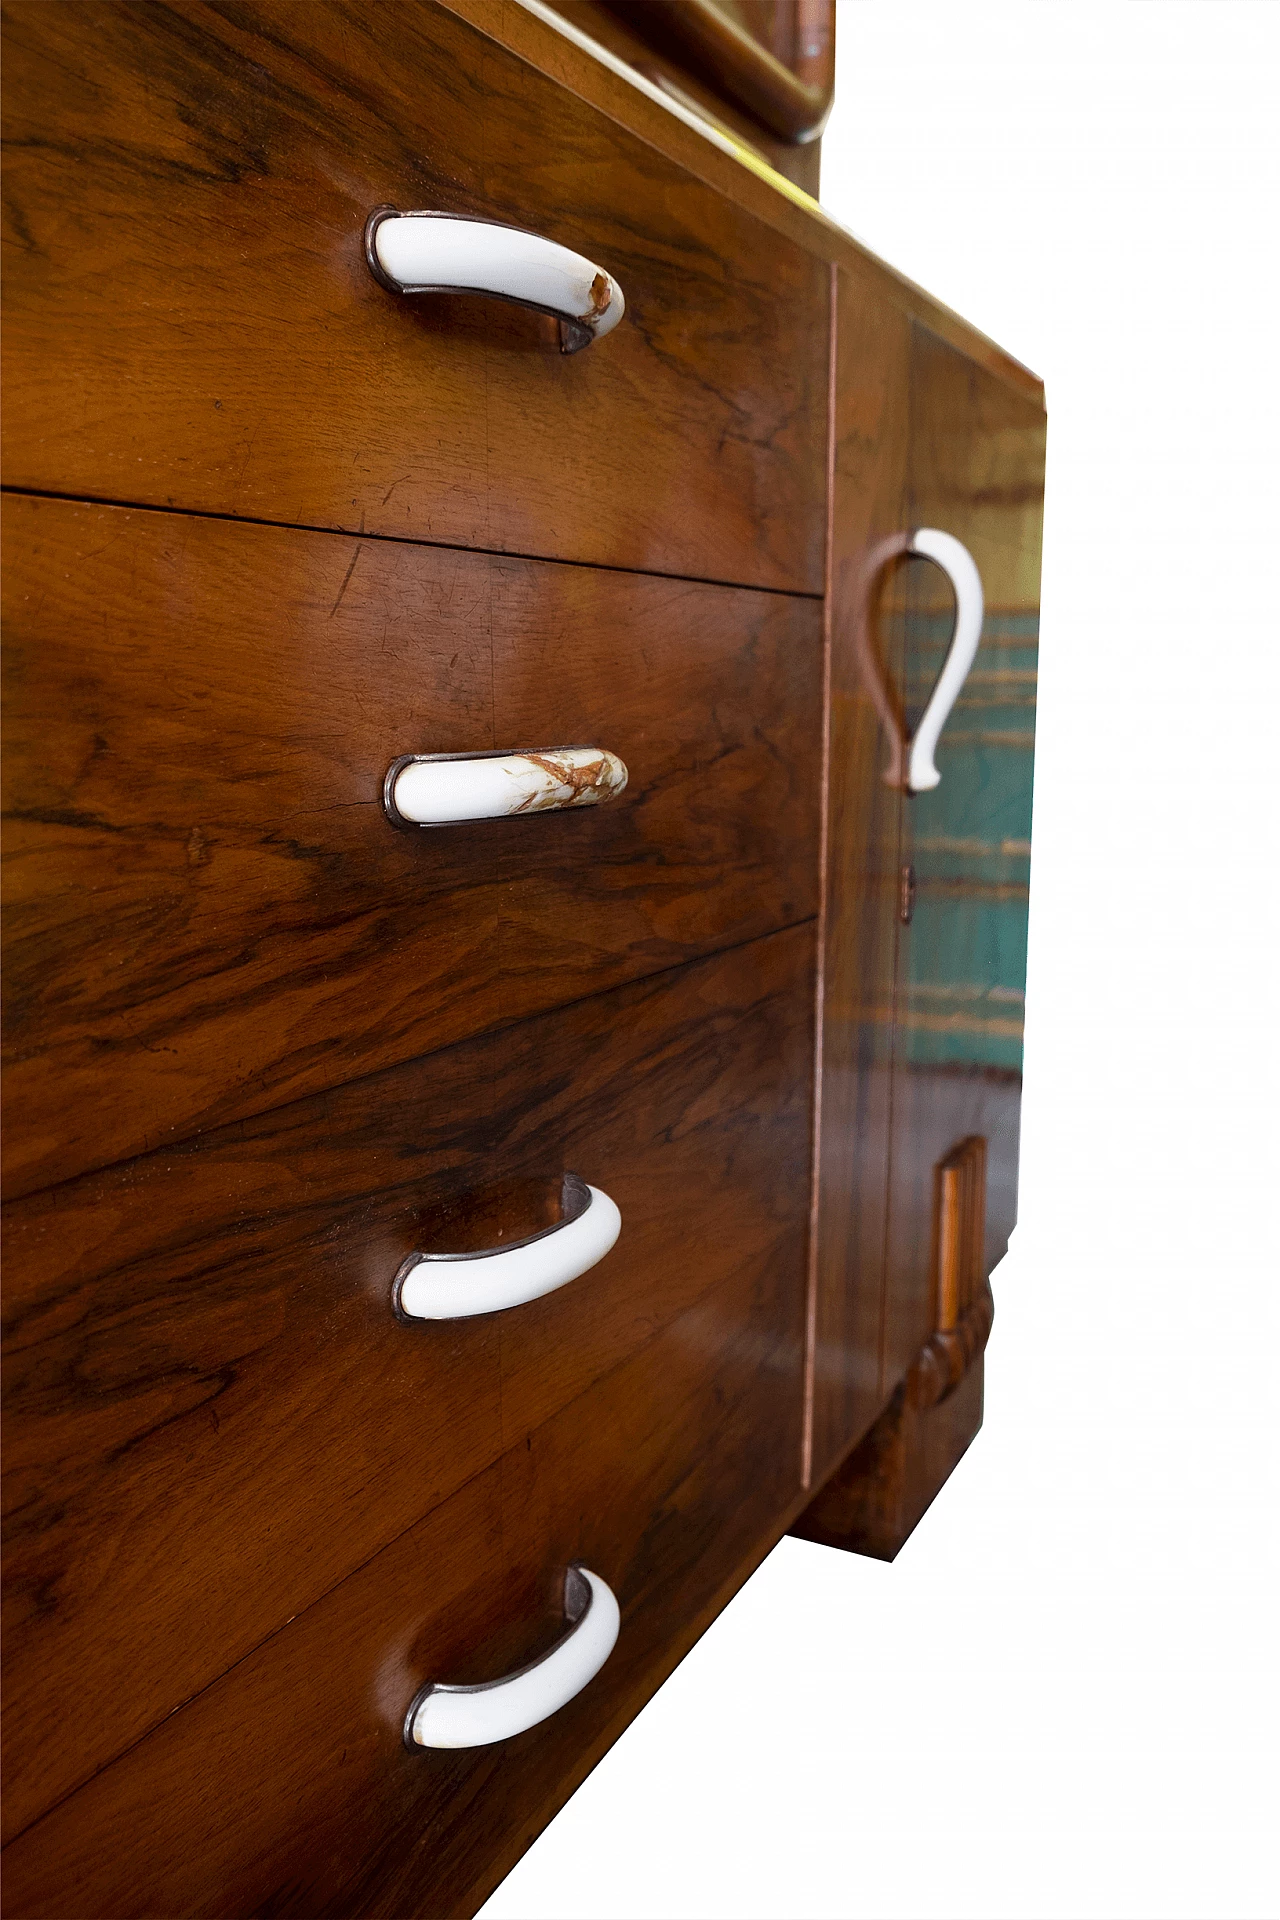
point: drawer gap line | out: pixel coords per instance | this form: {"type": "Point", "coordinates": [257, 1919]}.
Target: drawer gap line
{"type": "Point", "coordinates": [405, 540]}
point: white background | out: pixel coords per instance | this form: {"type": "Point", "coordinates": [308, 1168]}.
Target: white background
{"type": "Point", "coordinates": [1059, 1700]}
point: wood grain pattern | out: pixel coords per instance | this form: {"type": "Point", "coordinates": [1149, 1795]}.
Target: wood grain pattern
{"type": "Point", "coordinates": [878, 1496]}
{"type": "Point", "coordinates": [794, 216]}
{"type": "Point", "coordinates": [207, 911]}
{"type": "Point", "coordinates": [264, 1046]}
{"type": "Point", "coordinates": [860, 916]}
{"type": "Point", "coordinates": [976, 471]}
{"type": "Point", "coordinates": [211, 1414]}
{"type": "Point", "coordinates": [285, 1788]}
{"type": "Point", "coordinates": [190, 321]}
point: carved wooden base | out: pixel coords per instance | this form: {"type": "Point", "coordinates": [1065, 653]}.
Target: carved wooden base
{"type": "Point", "coordinates": [875, 1500]}
{"type": "Point", "coordinates": [948, 1355]}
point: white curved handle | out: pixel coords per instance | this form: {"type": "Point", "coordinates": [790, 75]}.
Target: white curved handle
{"type": "Point", "coordinates": [444, 253]}
{"type": "Point", "coordinates": [442, 789]}
{"type": "Point", "coordinates": [958, 564]}
{"type": "Point", "coordinates": [455, 1286]}
{"type": "Point", "coordinates": [443, 1716]}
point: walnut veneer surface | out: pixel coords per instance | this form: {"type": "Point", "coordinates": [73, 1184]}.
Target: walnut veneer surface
{"type": "Point", "coordinates": [200, 1345]}
{"type": "Point", "coordinates": [212, 166]}
{"type": "Point", "coordinates": [207, 913]}
{"type": "Point", "coordinates": [267, 528]}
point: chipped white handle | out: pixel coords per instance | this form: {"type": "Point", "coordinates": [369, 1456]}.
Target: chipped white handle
{"type": "Point", "coordinates": [444, 1716]}
{"type": "Point", "coordinates": [454, 1286]}
{"type": "Point", "coordinates": [957, 563]}
{"type": "Point", "coordinates": [442, 789]}
{"type": "Point", "coordinates": [444, 253]}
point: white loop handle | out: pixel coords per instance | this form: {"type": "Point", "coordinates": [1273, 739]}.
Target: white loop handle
{"type": "Point", "coordinates": [443, 1716]}
{"type": "Point", "coordinates": [455, 1286]}
{"type": "Point", "coordinates": [444, 253]}
{"type": "Point", "coordinates": [443, 789]}
{"type": "Point", "coordinates": [957, 563]}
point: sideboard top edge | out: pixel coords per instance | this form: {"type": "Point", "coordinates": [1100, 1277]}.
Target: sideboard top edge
{"type": "Point", "coordinates": [535, 33]}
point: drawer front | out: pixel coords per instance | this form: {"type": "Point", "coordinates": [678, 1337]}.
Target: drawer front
{"type": "Point", "coordinates": [286, 1787]}
{"type": "Point", "coordinates": [212, 1414]}
{"type": "Point", "coordinates": [191, 321]}
{"type": "Point", "coordinates": [208, 912]}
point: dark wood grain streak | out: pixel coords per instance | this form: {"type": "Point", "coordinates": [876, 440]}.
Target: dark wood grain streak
{"type": "Point", "coordinates": [190, 321]}
{"type": "Point", "coordinates": [211, 1414]}
{"type": "Point", "coordinates": [286, 1789]}
{"type": "Point", "coordinates": [206, 910]}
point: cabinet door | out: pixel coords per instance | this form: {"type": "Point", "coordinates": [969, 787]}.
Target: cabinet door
{"type": "Point", "coordinates": [976, 471]}
{"type": "Point", "coordinates": [868, 506]}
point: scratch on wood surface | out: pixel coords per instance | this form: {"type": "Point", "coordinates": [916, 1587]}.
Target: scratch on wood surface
{"type": "Point", "coordinates": [346, 581]}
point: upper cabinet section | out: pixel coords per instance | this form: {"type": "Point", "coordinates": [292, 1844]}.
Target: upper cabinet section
{"type": "Point", "coordinates": [193, 321]}
{"type": "Point", "coordinates": [763, 71]}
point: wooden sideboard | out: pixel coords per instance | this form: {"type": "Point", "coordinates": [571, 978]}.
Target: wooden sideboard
{"type": "Point", "coordinates": [271, 526]}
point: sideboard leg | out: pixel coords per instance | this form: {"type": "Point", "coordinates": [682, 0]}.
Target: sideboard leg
{"type": "Point", "coordinates": [874, 1501]}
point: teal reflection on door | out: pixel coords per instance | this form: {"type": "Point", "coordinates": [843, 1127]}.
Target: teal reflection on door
{"type": "Point", "coordinates": [970, 843]}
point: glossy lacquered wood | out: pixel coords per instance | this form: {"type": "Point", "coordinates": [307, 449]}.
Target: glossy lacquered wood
{"type": "Point", "coordinates": [265, 1045]}
{"type": "Point", "coordinates": [207, 909]}
{"type": "Point", "coordinates": [861, 872]}
{"type": "Point", "coordinates": [790, 96]}
{"type": "Point", "coordinates": [877, 1496]}
{"type": "Point", "coordinates": [726, 165]}
{"type": "Point", "coordinates": [921, 1030]}
{"type": "Point", "coordinates": [191, 321]}
{"type": "Point", "coordinates": [638, 40]}
{"type": "Point", "coordinates": [286, 1787]}
{"type": "Point", "coordinates": [976, 471]}
{"type": "Point", "coordinates": [212, 1412]}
